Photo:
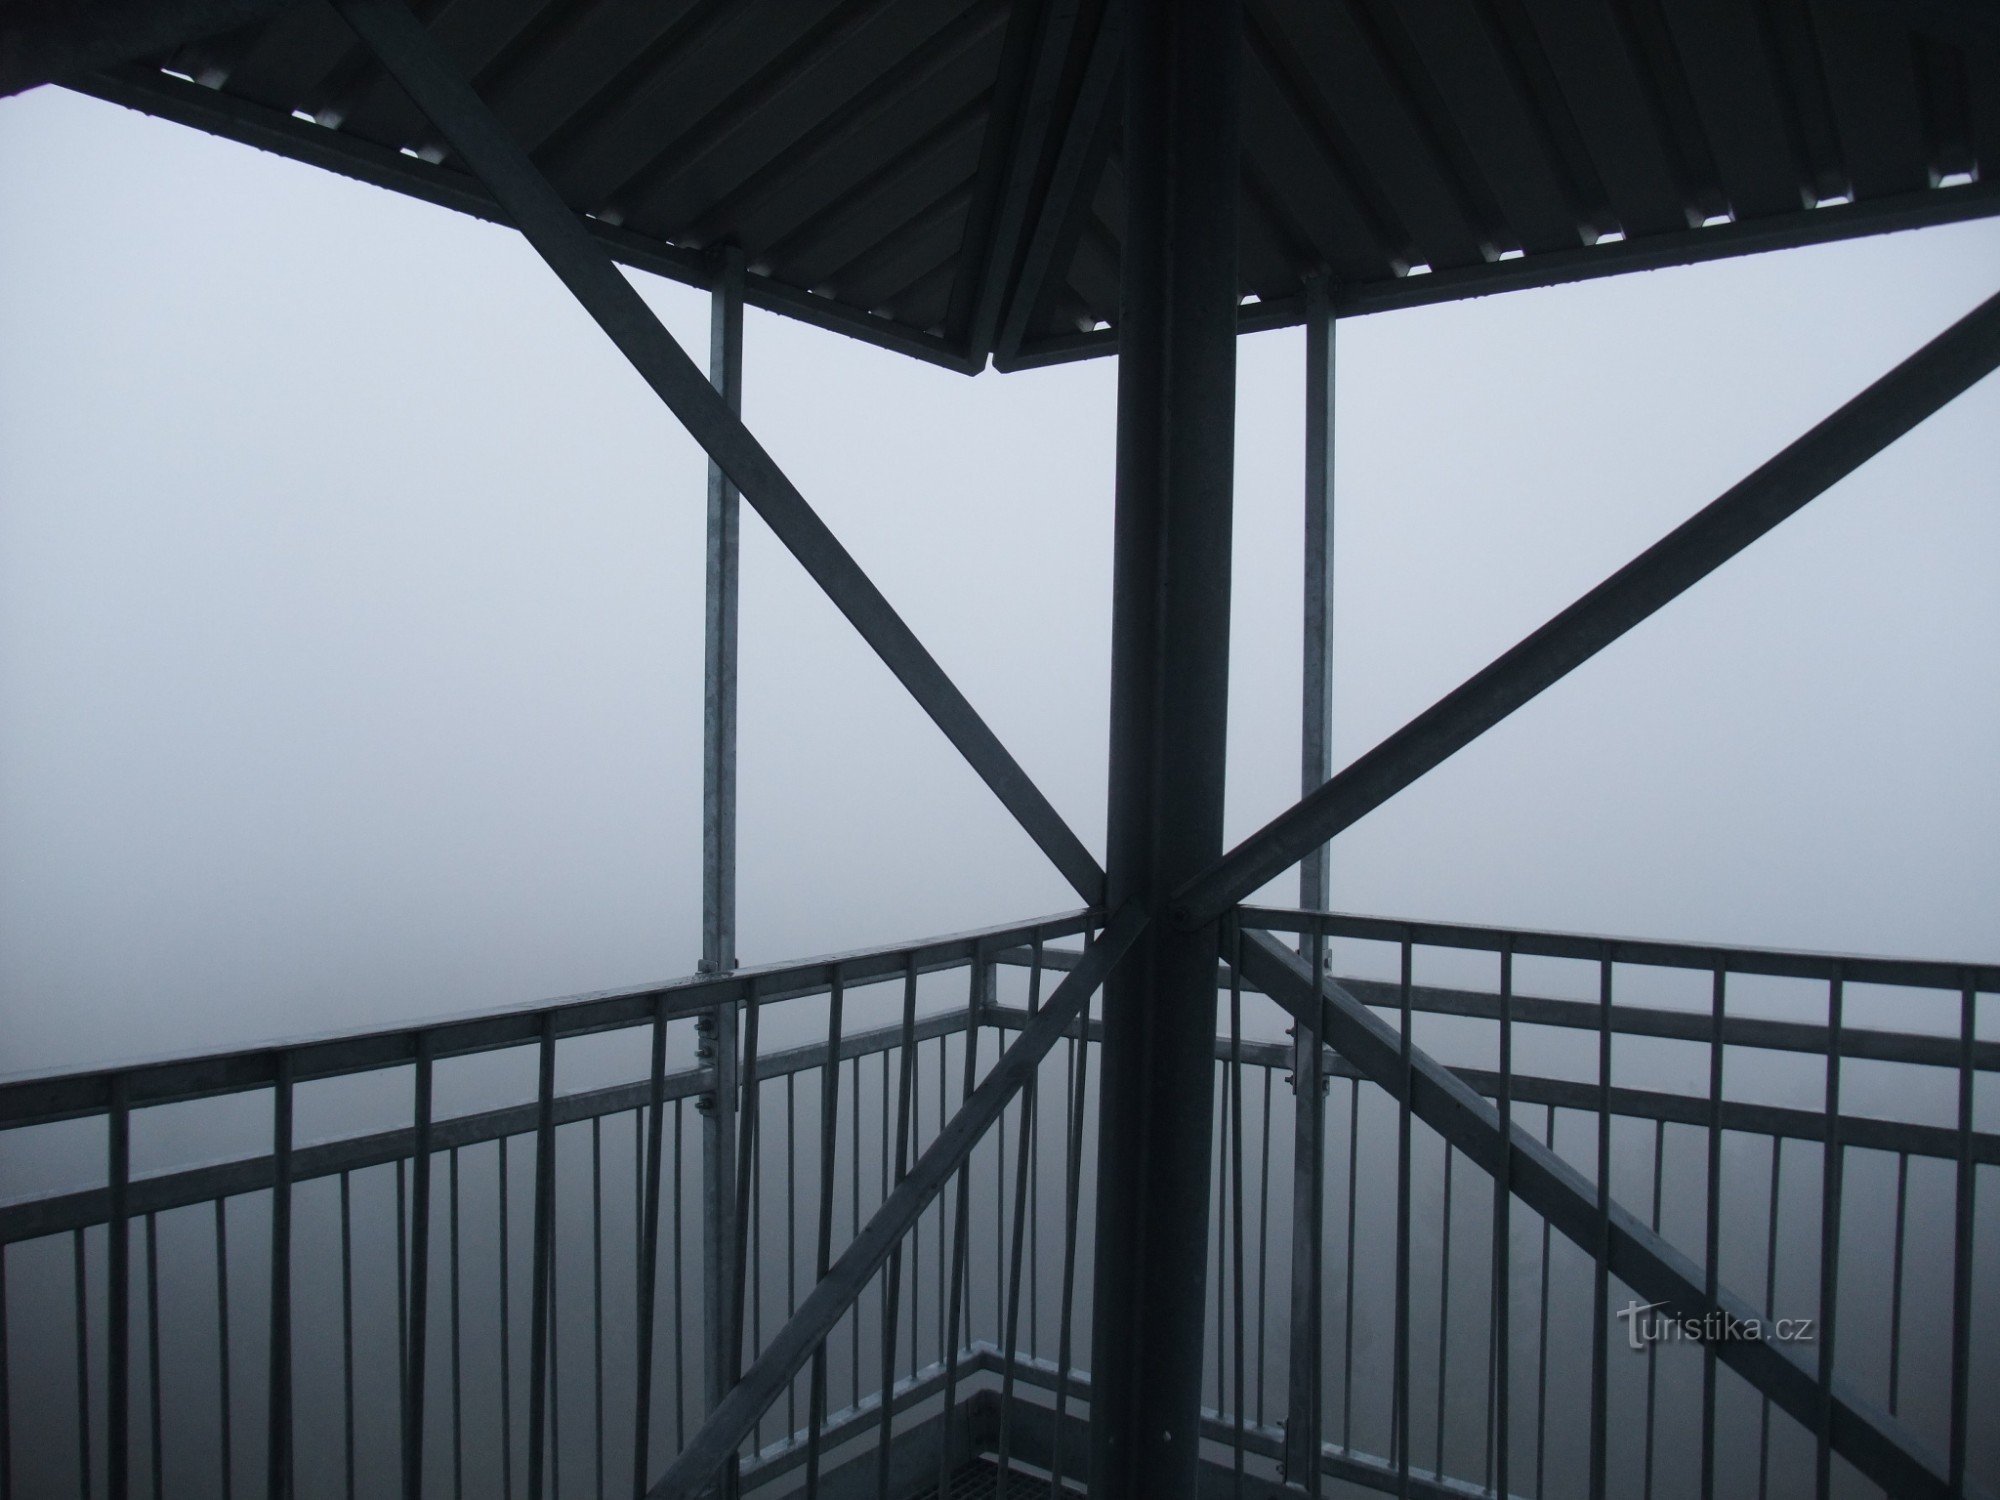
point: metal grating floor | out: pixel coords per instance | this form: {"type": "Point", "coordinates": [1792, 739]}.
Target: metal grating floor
{"type": "Point", "coordinates": [980, 1479]}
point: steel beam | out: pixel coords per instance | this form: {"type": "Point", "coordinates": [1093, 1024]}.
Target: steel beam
{"type": "Point", "coordinates": [787, 1351]}
{"type": "Point", "coordinates": [1944, 368]}
{"type": "Point", "coordinates": [1169, 711]}
{"type": "Point", "coordinates": [414, 60]}
{"type": "Point", "coordinates": [1876, 1444]}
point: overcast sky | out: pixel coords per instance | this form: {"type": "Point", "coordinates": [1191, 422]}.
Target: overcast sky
{"type": "Point", "coordinates": [350, 612]}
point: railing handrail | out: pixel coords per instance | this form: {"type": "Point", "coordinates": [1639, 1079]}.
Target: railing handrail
{"type": "Point", "coordinates": [39, 1098]}
{"type": "Point", "coordinates": [1914, 973]}
{"type": "Point", "coordinates": [1938, 1049]}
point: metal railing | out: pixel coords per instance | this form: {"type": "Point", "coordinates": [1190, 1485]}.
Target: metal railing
{"type": "Point", "coordinates": [438, 1293]}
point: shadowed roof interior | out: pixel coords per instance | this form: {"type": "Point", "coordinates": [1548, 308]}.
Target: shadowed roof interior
{"type": "Point", "coordinates": [943, 177]}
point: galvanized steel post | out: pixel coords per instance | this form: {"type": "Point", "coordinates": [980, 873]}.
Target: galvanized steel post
{"type": "Point", "coordinates": [1169, 710]}
{"type": "Point", "coordinates": [1302, 1416]}
{"type": "Point", "coordinates": [718, 1029]}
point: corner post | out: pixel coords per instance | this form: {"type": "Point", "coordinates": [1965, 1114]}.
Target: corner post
{"type": "Point", "coordinates": [1302, 1418]}
{"type": "Point", "coordinates": [718, 1029]}
{"type": "Point", "coordinates": [1169, 710]}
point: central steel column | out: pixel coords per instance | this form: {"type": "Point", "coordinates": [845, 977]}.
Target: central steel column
{"type": "Point", "coordinates": [1169, 707]}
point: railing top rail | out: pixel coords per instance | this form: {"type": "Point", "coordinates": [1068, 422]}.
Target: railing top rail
{"type": "Point", "coordinates": [1853, 968]}
{"type": "Point", "coordinates": [41, 1098]}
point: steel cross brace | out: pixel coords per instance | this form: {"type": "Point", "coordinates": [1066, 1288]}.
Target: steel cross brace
{"type": "Point", "coordinates": [791, 1346]}
{"type": "Point", "coordinates": [405, 49]}
{"type": "Point", "coordinates": [1943, 369]}
{"type": "Point", "coordinates": [1875, 1443]}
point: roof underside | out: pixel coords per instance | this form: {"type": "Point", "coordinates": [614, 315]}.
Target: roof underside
{"type": "Point", "coordinates": [944, 176]}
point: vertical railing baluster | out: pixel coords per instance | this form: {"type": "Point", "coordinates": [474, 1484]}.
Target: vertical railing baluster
{"type": "Point", "coordinates": [1010, 1341]}
{"type": "Point", "coordinates": [1831, 1163]}
{"type": "Point", "coordinates": [1502, 1358]}
{"type": "Point", "coordinates": [791, 1236]}
{"type": "Point", "coordinates": [680, 1283]}
{"type": "Point", "coordinates": [1399, 1440]}
{"type": "Point", "coordinates": [1218, 1263]}
{"type": "Point", "coordinates": [1542, 1339]}
{"type": "Point", "coordinates": [1347, 1272]}
{"type": "Point", "coordinates": [1072, 1197]}
{"type": "Point", "coordinates": [118, 1296]}
{"type": "Point", "coordinates": [1236, 1204]}
{"type": "Point", "coordinates": [1653, 1345]}
{"type": "Point", "coordinates": [1963, 1229]}
{"type": "Point", "coordinates": [597, 1300]}
{"type": "Point", "coordinates": [1302, 1407]}
{"type": "Point", "coordinates": [224, 1401]}
{"type": "Point", "coordinates": [748, 1221]}
{"type": "Point", "coordinates": [555, 1320]}
{"type": "Point", "coordinates": [402, 1245]}
{"type": "Point", "coordinates": [892, 1284]}
{"type": "Point", "coordinates": [506, 1338]}
{"type": "Point", "coordinates": [999, 1217]}
{"type": "Point", "coordinates": [538, 1286]}
{"type": "Point", "coordinates": [882, 1197]}
{"type": "Point", "coordinates": [943, 1114]}
{"type": "Point", "coordinates": [1600, 1324]}
{"type": "Point", "coordinates": [420, 1278]}
{"type": "Point", "coordinates": [916, 1229]}
{"type": "Point", "coordinates": [757, 1272]}
{"type": "Point", "coordinates": [1263, 1236]}
{"type": "Point", "coordinates": [79, 1276]}
{"type": "Point", "coordinates": [1444, 1313]}
{"type": "Point", "coordinates": [278, 1449]}
{"type": "Point", "coordinates": [156, 1426]}
{"type": "Point", "coordinates": [1896, 1282]}
{"type": "Point", "coordinates": [6, 1389]}
{"type": "Point", "coordinates": [347, 1330]}
{"type": "Point", "coordinates": [457, 1344]}
{"type": "Point", "coordinates": [829, 1136]}
{"type": "Point", "coordinates": [1770, 1311]}
{"type": "Point", "coordinates": [1712, 1239]}
{"type": "Point", "coordinates": [957, 1288]}
{"type": "Point", "coordinates": [1035, 1231]}
{"type": "Point", "coordinates": [854, 1220]}
{"type": "Point", "coordinates": [647, 1291]}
